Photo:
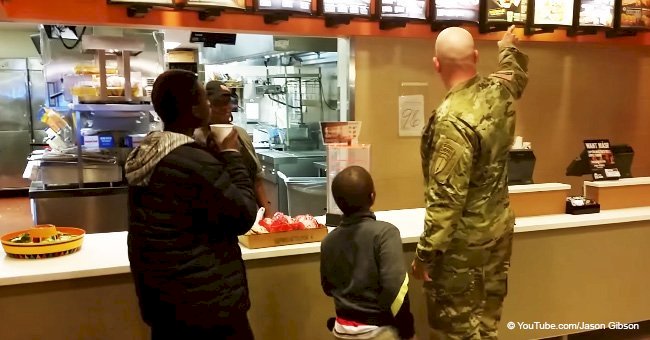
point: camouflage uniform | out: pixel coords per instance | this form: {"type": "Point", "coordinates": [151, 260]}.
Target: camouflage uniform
{"type": "Point", "coordinates": [467, 239]}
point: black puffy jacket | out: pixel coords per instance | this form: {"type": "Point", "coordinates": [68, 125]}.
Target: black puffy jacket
{"type": "Point", "coordinates": [184, 217]}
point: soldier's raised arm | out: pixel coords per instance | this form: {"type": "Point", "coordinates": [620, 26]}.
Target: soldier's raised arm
{"type": "Point", "coordinates": [513, 65]}
{"type": "Point", "coordinates": [449, 174]}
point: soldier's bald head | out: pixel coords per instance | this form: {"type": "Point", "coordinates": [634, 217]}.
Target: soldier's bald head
{"type": "Point", "coordinates": [455, 45]}
{"type": "Point", "coordinates": [353, 190]}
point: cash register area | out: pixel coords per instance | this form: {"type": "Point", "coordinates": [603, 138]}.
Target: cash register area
{"type": "Point", "coordinates": [581, 249]}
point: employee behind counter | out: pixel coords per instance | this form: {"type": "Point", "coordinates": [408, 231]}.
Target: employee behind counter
{"type": "Point", "coordinates": [221, 107]}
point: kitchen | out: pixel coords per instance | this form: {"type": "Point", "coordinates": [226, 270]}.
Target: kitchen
{"type": "Point", "coordinates": [285, 87]}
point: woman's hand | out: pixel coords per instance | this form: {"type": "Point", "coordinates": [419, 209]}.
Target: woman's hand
{"type": "Point", "coordinates": [231, 142]}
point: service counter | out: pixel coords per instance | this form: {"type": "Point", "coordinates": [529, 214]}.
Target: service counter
{"type": "Point", "coordinates": [565, 268]}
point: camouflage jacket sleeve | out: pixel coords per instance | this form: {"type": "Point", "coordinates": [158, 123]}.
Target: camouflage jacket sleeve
{"type": "Point", "coordinates": [512, 71]}
{"type": "Point", "coordinates": [447, 185]}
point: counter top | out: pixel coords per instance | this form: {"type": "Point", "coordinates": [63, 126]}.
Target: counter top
{"type": "Point", "coordinates": [277, 157]}
{"type": "Point", "coordinates": [106, 253]}
{"type": "Point", "coordinates": [619, 183]}
{"type": "Point", "coordinates": [517, 189]}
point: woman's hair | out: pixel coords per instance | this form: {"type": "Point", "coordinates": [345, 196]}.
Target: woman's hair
{"type": "Point", "coordinates": [174, 94]}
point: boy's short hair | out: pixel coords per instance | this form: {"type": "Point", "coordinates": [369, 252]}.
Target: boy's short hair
{"type": "Point", "coordinates": [353, 190]}
{"type": "Point", "coordinates": [174, 94]}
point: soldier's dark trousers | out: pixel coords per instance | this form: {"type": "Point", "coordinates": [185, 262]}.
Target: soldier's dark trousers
{"type": "Point", "coordinates": [469, 284]}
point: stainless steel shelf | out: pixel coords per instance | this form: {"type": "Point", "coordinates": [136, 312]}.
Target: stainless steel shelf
{"type": "Point", "coordinates": [293, 75]}
{"type": "Point", "coordinates": [111, 107]}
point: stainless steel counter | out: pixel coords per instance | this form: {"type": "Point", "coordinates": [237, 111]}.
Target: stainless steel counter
{"type": "Point", "coordinates": [292, 164]}
{"type": "Point", "coordinates": [97, 210]}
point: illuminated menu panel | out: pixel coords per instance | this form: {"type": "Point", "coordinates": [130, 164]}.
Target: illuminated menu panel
{"type": "Point", "coordinates": [597, 13]}
{"type": "Point", "coordinates": [635, 14]}
{"type": "Point", "coordinates": [507, 11]}
{"type": "Point", "coordinates": [239, 4]}
{"type": "Point", "coordinates": [411, 9]}
{"type": "Point", "coordinates": [146, 2]}
{"type": "Point", "coordinates": [347, 7]}
{"type": "Point", "coordinates": [303, 6]}
{"type": "Point", "coordinates": [456, 10]}
{"type": "Point", "coordinates": [553, 12]}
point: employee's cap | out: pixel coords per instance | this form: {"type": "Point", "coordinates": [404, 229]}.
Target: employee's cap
{"type": "Point", "coordinates": [217, 89]}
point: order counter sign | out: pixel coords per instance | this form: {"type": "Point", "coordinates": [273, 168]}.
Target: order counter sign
{"type": "Point", "coordinates": [601, 160]}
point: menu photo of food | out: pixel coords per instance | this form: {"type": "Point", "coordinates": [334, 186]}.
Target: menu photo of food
{"type": "Point", "coordinates": [553, 12]}
{"type": "Point", "coordinates": [412, 9]}
{"type": "Point", "coordinates": [597, 13]}
{"type": "Point", "coordinates": [147, 2]}
{"type": "Point", "coordinates": [239, 4]}
{"type": "Point", "coordinates": [349, 7]}
{"type": "Point", "coordinates": [461, 10]}
{"type": "Point", "coordinates": [303, 6]}
{"type": "Point", "coordinates": [635, 13]}
{"type": "Point", "coordinates": [507, 10]}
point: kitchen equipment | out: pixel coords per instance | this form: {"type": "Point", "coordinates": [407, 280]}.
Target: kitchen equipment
{"type": "Point", "coordinates": [21, 87]}
{"type": "Point", "coordinates": [305, 195]}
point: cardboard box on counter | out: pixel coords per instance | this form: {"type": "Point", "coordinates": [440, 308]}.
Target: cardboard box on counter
{"type": "Point", "coordinates": [283, 238]}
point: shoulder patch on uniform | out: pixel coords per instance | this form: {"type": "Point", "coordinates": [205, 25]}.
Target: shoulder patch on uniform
{"type": "Point", "coordinates": [447, 155]}
{"type": "Point", "coordinates": [505, 75]}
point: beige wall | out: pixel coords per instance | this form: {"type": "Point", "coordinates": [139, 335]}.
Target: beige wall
{"type": "Point", "coordinates": [576, 91]}
{"type": "Point", "coordinates": [21, 45]}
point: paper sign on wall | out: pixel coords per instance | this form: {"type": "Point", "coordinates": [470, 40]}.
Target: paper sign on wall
{"type": "Point", "coordinates": [411, 115]}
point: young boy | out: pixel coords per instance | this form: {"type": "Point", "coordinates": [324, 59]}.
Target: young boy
{"type": "Point", "coordinates": [363, 268]}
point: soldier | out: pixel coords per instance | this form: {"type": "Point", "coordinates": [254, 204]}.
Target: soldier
{"type": "Point", "coordinates": [464, 252]}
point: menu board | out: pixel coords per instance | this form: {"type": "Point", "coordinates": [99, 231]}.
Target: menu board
{"type": "Point", "coordinates": [411, 9]}
{"type": "Point", "coordinates": [303, 6]}
{"type": "Point", "coordinates": [146, 2]}
{"type": "Point", "coordinates": [553, 12]}
{"type": "Point", "coordinates": [340, 133]}
{"type": "Point", "coordinates": [347, 7]}
{"type": "Point", "coordinates": [513, 11]}
{"type": "Point", "coordinates": [597, 13]}
{"type": "Point", "coordinates": [239, 4]}
{"type": "Point", "coordinates": [635, 13]}
{"type": "Point", "coordinates": [456, 10]}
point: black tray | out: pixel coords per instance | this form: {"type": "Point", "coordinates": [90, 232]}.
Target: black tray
{"type": "Point", "coordinates": [580, 210]}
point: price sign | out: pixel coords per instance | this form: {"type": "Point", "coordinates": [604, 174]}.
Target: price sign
{"type": "Point", "coordinates": [411, 115]}
{"type": "Point", "coordinates": [601, 160]}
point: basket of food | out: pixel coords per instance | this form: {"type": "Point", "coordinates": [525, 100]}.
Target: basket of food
{"type": "Point", "coordinates": [283, 230]}
{"type": "Point", "coordinates": [42, 241]}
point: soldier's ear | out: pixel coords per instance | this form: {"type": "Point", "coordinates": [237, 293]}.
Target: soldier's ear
{"type": "Point", "coordinates": [476, 56]}
{"type": "Point", "coordinates": [436, 64]}
{"type": "Point", "coordinates": [372, 198]}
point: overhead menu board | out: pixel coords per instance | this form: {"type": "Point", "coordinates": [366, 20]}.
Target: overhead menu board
{"type": "Point", "coordinates": [635, 14]}
{"type": "Point", "coordinates": [238, 4]}
{"type": "Point", "coordinates": [346, 7]}
{"type": "Point", "coordinates": [505, 11]}
{"type": "Point", "coordinates": [599, 13]}
{"type": "Point", "coordinates": [302, 6]}
{"type": "Point", "coordinates": [553, 12]}
{"type": "Point", "coordinates": [143, 2]}
{"type": "Point", "coordinates": [410, 9]}
{"type": "Point", "coordinates": [456, 10]}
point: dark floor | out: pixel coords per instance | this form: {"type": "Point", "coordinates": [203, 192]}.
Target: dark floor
{"type": "Point", "coordinates": [642, 334]}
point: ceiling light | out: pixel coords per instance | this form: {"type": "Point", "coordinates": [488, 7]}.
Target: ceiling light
{"type": "Point", "coordinates": [170, 45]}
